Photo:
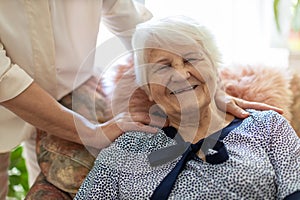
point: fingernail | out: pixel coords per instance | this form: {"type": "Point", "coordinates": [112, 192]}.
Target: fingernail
{"type": "Point", "coordinates": [155, 130]}
{"type": "Point", "coordinates": [245, 113]}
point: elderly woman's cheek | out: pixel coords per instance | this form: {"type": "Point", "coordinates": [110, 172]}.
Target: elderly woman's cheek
{"type": "Point", "coordinates": [209, 76]}
{"type": "Point", "coordinates": [160, 77]}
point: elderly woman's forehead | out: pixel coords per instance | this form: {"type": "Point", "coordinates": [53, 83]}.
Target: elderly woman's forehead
{"type": "Point", "coordinates": [181, 51]}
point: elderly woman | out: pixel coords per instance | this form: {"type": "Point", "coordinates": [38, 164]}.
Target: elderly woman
{"type": "Point", "coordinates": [214, 155]}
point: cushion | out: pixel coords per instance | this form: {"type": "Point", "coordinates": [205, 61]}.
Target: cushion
{"type": "Point", "coordinates": [42, 189]}
{"type": "Point", "coordinates": [65, 164]}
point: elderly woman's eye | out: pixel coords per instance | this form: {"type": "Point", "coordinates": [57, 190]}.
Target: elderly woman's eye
{"type": "Point", "coordinates": [191, 60]}
{"type": "Point", "coordinates": [162, 67]}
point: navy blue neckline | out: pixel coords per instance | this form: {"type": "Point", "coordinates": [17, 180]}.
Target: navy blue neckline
{"type": "Point", "coordinates": [213, 143]}
{"type": "Point", "coordinates": [171, 132]}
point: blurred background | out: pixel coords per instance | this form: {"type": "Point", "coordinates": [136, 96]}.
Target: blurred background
{"type": "Point", "coordinates": [247, 31]}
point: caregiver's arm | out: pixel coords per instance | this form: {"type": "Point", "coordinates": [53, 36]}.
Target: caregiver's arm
{"type": "Point", "coordinates": [37, 107]}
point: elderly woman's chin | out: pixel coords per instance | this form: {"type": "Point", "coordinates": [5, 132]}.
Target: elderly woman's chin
{"type": "Point", "coordinates": [199, 104]}
{"type": "Point", "coordinates": [194, 111]}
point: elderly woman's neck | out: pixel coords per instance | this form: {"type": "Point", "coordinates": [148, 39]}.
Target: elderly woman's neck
{"type": "Point", "coordinates": [209, 121]}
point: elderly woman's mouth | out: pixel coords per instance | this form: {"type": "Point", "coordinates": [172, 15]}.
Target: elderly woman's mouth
{"type": "Point", "coordinates": [184, 89]}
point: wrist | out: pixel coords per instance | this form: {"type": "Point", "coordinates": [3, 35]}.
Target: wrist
{"type": "Point", "coordinates": [108, 132]}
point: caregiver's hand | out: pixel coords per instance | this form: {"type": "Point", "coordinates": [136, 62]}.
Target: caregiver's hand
{"type": "Point", "coordinates": [135, 121]}
{"type": "Point", "coordinates": [236, 106]}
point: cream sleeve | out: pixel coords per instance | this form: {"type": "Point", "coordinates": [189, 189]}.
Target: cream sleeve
{"type": "Point", "coordinates": [13, 79]}
{"type": "Point", "coordinates": [121, 17]}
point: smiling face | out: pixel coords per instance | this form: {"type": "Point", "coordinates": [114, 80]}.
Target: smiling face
{"type": "Point", "coordinates": [181, 83]}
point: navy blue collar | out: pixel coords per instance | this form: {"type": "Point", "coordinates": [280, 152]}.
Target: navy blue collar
{"type": "Point", "coordinates": [212, 146]}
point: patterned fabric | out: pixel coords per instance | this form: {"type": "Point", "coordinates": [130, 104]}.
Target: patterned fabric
{"type": "Point", "coordinates": [260, 151]}
{"type": "Point", "coordinates": [64, 164]}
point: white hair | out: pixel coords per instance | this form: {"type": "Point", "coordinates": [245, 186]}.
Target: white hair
{"type": "Point", "coordinates": [166, 34]}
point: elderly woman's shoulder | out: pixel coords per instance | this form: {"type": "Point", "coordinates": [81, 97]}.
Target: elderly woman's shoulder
{"type": "Point", "coordinates": [266, 120]}
{"type": "Point", "coordinates": [142, 142]}
{"type": "Point", "coordinates": [265, 115]}
{"type": "Point", "coordinates": [138, 142]}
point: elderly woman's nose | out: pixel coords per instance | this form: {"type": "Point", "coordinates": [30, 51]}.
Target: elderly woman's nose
{"type": "Point", "coordinates": [180, 74]}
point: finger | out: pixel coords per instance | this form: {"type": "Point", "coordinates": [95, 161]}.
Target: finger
{"type": "Point", "coordinates": [236, 111]}
{"type": "Point", "coordinates": [262, 106]}
{"type": "Point", "coordinates": [142, 117]}
{"type": "Point", "coordinates": [153, 120]}
{"type": "Point", "coordinates": [140, 106]}
{"type": "Point", "coordinates": [276, 109]}
{"type": "Point", "coordinates": [137, 126]}
{"type": "Point", "coordinates": [257, 105]}
{"type": "Point", "coordinates": [159, 121]}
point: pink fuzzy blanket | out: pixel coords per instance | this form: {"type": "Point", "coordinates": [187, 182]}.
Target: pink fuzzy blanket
{"type": "Point", "coordinates": [265, 84]}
